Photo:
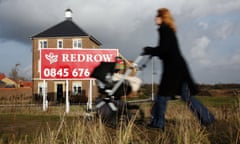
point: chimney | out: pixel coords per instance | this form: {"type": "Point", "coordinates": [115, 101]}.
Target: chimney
{"type": "Point", "coordinates": [68, 14]}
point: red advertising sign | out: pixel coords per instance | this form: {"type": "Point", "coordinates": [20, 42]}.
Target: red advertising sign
{"type": "Point", "coordinates": [73, 63]}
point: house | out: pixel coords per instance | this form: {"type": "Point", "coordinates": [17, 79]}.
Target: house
{"type": "Point", "coordinates": [2, 84]}
{"type": "Point", "coordinates": [65, 34]}
{"type": "Point", "coordinates": [7, 82]}
{"type": "Point", "coordinates": [25, 84]}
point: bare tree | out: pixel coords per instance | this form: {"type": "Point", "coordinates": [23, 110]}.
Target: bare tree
{"type": "Point", "coordinates": [14, 72]}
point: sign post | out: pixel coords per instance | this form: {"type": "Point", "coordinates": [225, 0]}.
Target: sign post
{"type": "Point", "coordinates": [89, 104]}
{"type": "Point", "coordinates": [44, 96]}
{"type": "Point", "coordinates": [67, 98]}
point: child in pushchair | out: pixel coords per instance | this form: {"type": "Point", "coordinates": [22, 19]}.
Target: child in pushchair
{"type": "Point", "coordinates": [113, 83]}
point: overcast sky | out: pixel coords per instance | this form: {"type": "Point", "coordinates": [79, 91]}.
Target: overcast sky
{"type": "Point", "coordinates": [208, 31]}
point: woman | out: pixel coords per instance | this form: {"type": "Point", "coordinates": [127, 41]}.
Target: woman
{"type": "Point", "coordinates": [176, 78]}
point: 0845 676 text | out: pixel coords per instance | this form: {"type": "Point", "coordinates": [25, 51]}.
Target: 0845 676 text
{"type": "Point", "coordinates": [66, 73]}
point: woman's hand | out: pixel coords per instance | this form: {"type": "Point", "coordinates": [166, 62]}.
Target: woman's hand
{"type": "Point", "coordinates": [146, 50]}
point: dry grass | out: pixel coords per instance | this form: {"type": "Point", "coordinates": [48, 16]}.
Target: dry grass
{"type": "Point", "coordinates": [181, 128]}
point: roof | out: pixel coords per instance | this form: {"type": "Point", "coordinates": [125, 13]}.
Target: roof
{"type": "Point", "coordinates": [26, 84]}
{"type": "Point", "coordinates": [1, 82]}
{"type": "Point", "coordinates": [2, 76]}
{"type": "Point", "coordinates": [66, 28]}
{"type": "Point", "coordinates": [8, 81]}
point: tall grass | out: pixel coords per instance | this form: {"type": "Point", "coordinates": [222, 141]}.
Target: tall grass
{"type": "Point", "coordinates": [181, 128]}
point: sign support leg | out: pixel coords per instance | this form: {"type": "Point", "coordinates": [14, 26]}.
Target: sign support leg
{"type": "Point", "coordinates": [89, 104]}
{"type": "Point", "coordinates": [44, 96]}
{"type": "Point", "coordinates": [67, 98]}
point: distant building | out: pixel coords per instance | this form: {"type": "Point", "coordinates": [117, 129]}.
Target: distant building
{"type": "Point", "coordinates": [2, 84]}
{"type": "Point", "coordinates": [7, 82]}
{"type": "Point", "coordinates": [26, 84]}
{"type": "Point", "coordinates": [65, 34]}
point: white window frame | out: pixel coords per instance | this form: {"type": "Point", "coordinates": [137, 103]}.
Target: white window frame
{"type": "Point", "coordinates": [58, 44]}
{"type": "Point", "coordinates": [42, 44]}
{"type": "Point", "coordinates": [77, 43]}
{"type": "Point", "coordinates": [41, 85]}
{"type": "Point", "coordinates": [77, 85]}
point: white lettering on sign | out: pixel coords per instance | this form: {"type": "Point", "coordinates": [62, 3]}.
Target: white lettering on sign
{"type": "Point", "coordinates": [64, 72]}
{"type": "Point", "coordinates": [53, 72]}
{"type": "Point", "coordinates": [86, 57]}
{"type": "Point", "coordinates": [72, 63]}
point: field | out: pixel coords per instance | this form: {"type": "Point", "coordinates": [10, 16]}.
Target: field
{"type": "Point", "coordinates": [31, 125]}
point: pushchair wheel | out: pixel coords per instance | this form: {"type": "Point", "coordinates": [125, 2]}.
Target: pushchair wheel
{"type": "Point", "coordinates": [124, 112]}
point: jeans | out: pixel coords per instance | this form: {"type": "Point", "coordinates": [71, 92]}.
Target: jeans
{"type": "Point", "coordinates": [198, 109]}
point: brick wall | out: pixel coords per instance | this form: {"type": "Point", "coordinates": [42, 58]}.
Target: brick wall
{"type": "Point", "coordinates": [15, 95]}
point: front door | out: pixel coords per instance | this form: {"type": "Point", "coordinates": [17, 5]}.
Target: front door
{"type": "Point", "coordinates": [60, 93]}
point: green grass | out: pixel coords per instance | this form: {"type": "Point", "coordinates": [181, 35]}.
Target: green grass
{"type": "Point", "coordinates": [219, 101]}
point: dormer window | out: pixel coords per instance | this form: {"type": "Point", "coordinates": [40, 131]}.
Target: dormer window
{"type": "Point", "coordinates": [59, 44]}
{"type": "Point", "coordinates": [42, 44]}
{"type": "Point", "coordinates": [77, 43]}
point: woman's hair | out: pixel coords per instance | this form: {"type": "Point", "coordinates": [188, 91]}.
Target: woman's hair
{"type": "Point", "coordinates": [167, 18]}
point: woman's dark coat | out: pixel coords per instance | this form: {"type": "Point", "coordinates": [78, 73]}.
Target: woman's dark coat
{"type": "Point", "coordinates": [175, 69]}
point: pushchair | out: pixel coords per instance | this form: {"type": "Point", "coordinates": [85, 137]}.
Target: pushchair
{"type": "Point", "coordinates": [113, 82]}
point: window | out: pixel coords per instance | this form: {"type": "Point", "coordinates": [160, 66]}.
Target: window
{"type": "Point", "coordinates": [41, 88]}
{"type": "Point", "coordinates": [77, 43]}
{"type": "Point", "coordinates": [42, 44]}
{"type": "Point", "coordinates": [77, 88]}
{"type": "Point", "coordinates": [59, 44]}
